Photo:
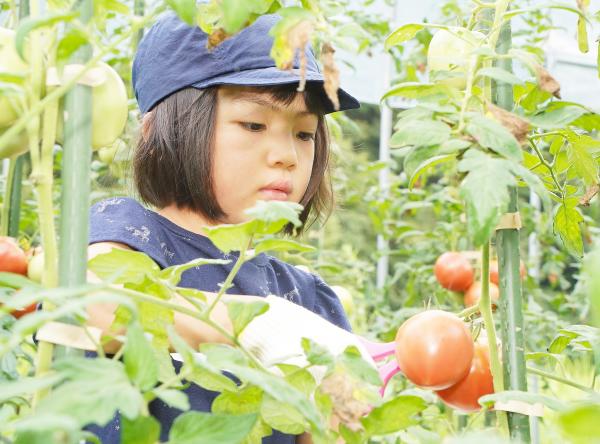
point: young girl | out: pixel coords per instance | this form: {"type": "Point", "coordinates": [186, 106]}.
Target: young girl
{"type": "Point", "coordinates": [222, 129]}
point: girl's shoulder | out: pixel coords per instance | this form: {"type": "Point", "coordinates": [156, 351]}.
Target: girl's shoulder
{"type": "Point", "coordinates": [312, 292]}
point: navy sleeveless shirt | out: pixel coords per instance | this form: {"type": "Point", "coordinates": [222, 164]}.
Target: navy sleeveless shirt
{"type": "Point", "coordinates": [124, 220]}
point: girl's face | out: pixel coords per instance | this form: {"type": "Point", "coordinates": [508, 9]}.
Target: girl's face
{"type": "Point", "coordinates": [263, 150]}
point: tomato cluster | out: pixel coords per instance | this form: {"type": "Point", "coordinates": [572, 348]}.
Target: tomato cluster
{"type": "Point", "coordinates": [14, 260]}
{"type": "Point", "coordinates": [435, 350]}
{"type": "Point", "coordinates": [454, 272]}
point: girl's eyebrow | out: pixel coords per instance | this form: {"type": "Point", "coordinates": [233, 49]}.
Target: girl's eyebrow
{"type": "Point", "coordinates": [262, 101]}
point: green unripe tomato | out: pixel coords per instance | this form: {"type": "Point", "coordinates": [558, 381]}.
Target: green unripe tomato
{"type": "Point", "coordinates": [449, 50]}
{"type": "Point", "coordinates": [35, 267]}
{"type": "Point", "coordinates": [345, 298]}
{"type": "Point", "coordinates": [16, 146]}
{"type": "Point", "coordinates": [106, 154]}
{"type": "Point", "coordinates": [109, 110]}
{"type": "Point", "coordinates": [10, 62]}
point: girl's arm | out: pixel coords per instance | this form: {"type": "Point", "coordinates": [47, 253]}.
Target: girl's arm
{"type": "Point", "coordinates": [192, 330]}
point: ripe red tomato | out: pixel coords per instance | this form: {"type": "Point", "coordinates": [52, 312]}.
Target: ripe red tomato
{"type": "Point", "coordinates": [464, 394]}
{"type": "Point", "coordinates": [494, 276]}
{"type": "Point", "coordinates": [12, 257]}
{"type": "Point", "coordinates": [23, 311]}
{"type": "Point", "coordinates": [454, 271]}
{"type": "Point", "coordinates": [434, 349]}
{"type": "Point", "coordinates": [473, 294]}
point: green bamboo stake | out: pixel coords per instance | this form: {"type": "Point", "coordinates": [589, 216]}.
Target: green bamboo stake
{"type": "Point", "coordinates": [507, 244]}
{"type": "Point", "coordinates": [138, 10]}
{"type": "Point", "coordinates": [77, 157]}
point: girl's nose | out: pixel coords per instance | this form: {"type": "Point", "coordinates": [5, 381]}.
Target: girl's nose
{"type": "Point", "coordinates": [282, 152]}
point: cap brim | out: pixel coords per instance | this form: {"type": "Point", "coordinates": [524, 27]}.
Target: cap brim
{"type": "Point", "coordinates": [275, 76]}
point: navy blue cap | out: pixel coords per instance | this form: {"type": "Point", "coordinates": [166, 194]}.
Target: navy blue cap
{"type": "Point", "coordinates": [172, 56]}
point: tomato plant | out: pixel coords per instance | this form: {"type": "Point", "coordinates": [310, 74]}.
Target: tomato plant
{"type": "Point", "coordinates": [454, 271]}
{"type": "Point", "coordinates": [434, 349]}
{"type": "Point", "coordinates": [464, 395]}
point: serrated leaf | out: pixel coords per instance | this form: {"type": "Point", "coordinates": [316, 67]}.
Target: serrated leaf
{"type": "Point", "coordinates": [298, 377]}
{"type": "Point", "coordinates": [139, 358]}
{"type": "Point", "coordinates": [316, 354]}
{"type": "Point", "coordinates": [415, 172]}
{"type": "Point", "coordinates": [393, 416]}
{"type": "Point", "coordinates": [123, 266]}
{"type": "Point", "coordinates": [282, 245]}
{"type": "Point", "coordinates": [557, 118]}
{"type": "Point", "coordinates": [485, 191]}
{"type": "Point", "coordinates": [356, 366]}
{"type": "Point", "coordinates": [419, 133]}
{"type": "Point", "coordinates": [206, 428]}
{"type": "Point", "coordinates": [246, 400]}
{"type": "Point", "coordinates": [582, 336]}
{"type": "Point", "coordinates": [70, 43]}
{"type": "Point", "coordinates": [567, 220]}
{"type": "Point", "coordinates": [93, 391]}
{"type": "Point", "coordinates": [500, 75]}
{"type": "Point", "coordinates": [492, 135]}
{"type": "Point", "coordinates": [242, 313]}
{"type": "Point", "coordinates": [141, 430]}
{"type": "Point", "coordinates": [282, 416]}
{"type": "Point", "coordinates": [582, 161]}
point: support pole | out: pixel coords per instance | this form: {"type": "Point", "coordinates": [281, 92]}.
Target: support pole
{"type": "Point", "coordinates": [507, 244]}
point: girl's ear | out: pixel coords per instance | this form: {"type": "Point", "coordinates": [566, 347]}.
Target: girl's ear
{"type": "Point", "coordinates": [146, 124]}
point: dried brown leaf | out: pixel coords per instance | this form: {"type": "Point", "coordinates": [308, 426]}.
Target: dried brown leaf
{"type": "Point", "coordinates": [298, 37]}
{"type": "Point", "coordinates": [342, 390]}
{"type": "Point", "coordinates": [331, 73]}
{"type": "Point", "coordinates": [216, 37]}
{"type": "Point", "coordinates": [589, 195]}
{"type": "Point", "coordinates": [516, 125]}
{"type": "Point", "coordinates": [547, 82]}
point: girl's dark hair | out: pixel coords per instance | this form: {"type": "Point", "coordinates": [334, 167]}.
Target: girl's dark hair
{"type": "Point", "coordinates": [172, 162]}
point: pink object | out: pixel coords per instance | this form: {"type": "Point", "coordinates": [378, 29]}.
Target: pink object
{"type": "Point", "coordinates": [379, 351]}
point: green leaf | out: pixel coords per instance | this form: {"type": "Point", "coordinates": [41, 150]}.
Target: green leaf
{"type": "Point", "coordinates": [174, 398]}
{"type": "Point", "coordinates": [527, 397]}
{"type": "Point", "coordinates": [402, 34]}
{"type": "Point", "coordinates": [185, 9]}
{"type": "Point", "coordinates": [580, 157]}
{"type": "Point", "coordinates": [70, 43]}
{"type": "Point", "coordinates": [557, 118]}
{"type": "Point", "coordinates": [27, 385]}
{"type": "Point", "coordinates": [141, 430]}
{"type": "Point", "coordinates": [414, 90]}
{"type": "Point", "coordinates": [45, 428]}
{"type": "Point", "coordinates": [140, 360]}
{"type": "Point", "coordinates": [492, 135]}
{"type": "Point", "coordinates": [173, 274]}
{"type": "Point", "coordinates": [236, 15]}
{"type": "Point", "coordinates": [30, 23]}
{"type": "Point", "coordinates": [16, 281]}
{"type": "Point", "coordinates": [299, 378]}
{"type": "Point", "coordinates": [246, 400]}
{"type": "Point", "coordinates": [426, 165]}
{"type": "Point", "coordinates": [567, 220]}
{"type": "Point", "coordinates": [394, 415]}
{"type": "Point", "coordinates": [590, 270]}
{"type": "Point", "coordinates": [582, 336]}
{"type": "Point", "coordinates": [123, 266]}
{"type": "Point", "coordinates": [282, 416]}
{"type": "Point", "coordinates": [93, 391]}
{"type": "Point", "coordinates": [273, 214]}
{"type": "Point", "coordinates": [419, 133]}
{"type": "Point", "coordinates": [356, 366]}
{"type": "Point", "coordinates": [282, 245]}
{"type": "Point", "coordinates": [242, 313]}
{"type": "Point", "coordinates": [206, 428]}
{"type": "Point", "coordinates": [485, 191]}
{"type": "Point", "coordinates": [581, 423]}
{"type": "Point", "coordinates": [582, 37]}
{"type": "Point", "coordinates": [316, 354]}
{"type": "Point", "coordinates": [500, 75]}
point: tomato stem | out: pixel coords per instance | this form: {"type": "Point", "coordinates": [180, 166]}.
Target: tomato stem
{"type": "Point", "coordinates": [7, 198]}
{"type": "Point", "coordinates": [485, 306]}
{"type": "Point", "coordinates": [544, 374]}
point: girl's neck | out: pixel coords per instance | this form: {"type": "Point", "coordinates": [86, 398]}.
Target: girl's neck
{"type": "Point", "coordinates": [185, 218]}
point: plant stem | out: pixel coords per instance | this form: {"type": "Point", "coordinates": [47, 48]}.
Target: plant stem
{"type": "Point", "coordinates": [7, 197]}
{"type": "Point", "coordinates": [485, 306]}
{"type": "Point", "coordinates": [544, 374]}
{"type": "Point", "coordinates": [468, 312]}
{"type": "Point", "coordinates": [547, 165]}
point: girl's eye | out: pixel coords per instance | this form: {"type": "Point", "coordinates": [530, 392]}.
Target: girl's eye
{"type": "Point", "coordinates": [252, 126]}
{"type": "Point", "coordinates": [305, 137]}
